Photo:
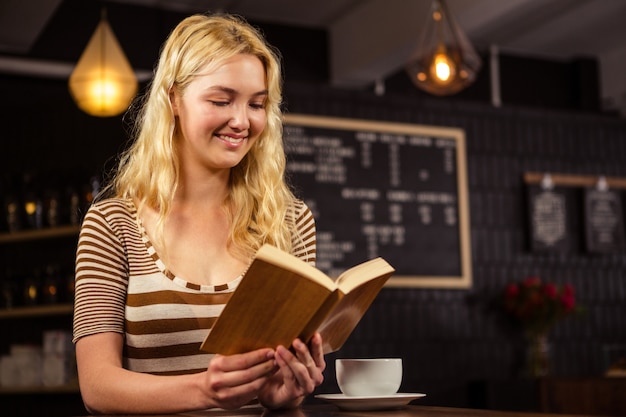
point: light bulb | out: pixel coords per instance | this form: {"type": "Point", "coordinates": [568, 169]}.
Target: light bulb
{"type": "Point", "coordinates": [444, 61]}
{"type": "Point", "coordinates": [105, 92]}
{"type": "Point", "coordinates": [442, 68]}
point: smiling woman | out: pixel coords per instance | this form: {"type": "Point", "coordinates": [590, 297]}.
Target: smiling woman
{"type": "Point", "coordinates": [161, 251]}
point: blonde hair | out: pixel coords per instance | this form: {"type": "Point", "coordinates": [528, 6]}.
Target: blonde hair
{"type": "Point", "coordinates": [148, 172]}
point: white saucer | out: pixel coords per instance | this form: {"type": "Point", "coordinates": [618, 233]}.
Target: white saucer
{"type": "Point", "coordinates": [386, 402]}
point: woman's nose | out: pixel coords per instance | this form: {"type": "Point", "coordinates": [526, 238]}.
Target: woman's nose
{"type": "Point", "coordinates": [239, 118]}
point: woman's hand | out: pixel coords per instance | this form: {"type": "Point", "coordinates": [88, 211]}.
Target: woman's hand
{"type": "Point", "coordinates": [234, 381]}
{"type": "Point", "coordinates": [298, 375]}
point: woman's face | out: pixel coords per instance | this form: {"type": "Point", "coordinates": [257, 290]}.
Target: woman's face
{"type": "Point", "coordinates": [221, 114]}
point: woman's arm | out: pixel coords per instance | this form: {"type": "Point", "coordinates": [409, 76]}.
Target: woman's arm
{"type": "Point", "coordinates": [106, 387]}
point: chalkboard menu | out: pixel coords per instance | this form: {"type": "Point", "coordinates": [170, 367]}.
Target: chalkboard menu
{"type": "Point", "coordinates": [398, 191]}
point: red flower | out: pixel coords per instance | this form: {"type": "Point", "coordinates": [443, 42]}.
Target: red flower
{"type": "Point", "coordinates": [550, 290]}
{"type": "Point", "coordinates": [536, 306]}
{"type": "Point", "coordinates": [568, 302]}
{"type": "Point", "coordinates": [511, 291]}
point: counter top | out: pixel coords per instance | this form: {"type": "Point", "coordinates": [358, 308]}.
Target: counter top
{"type": "Point", "coordinates": [333, 411]}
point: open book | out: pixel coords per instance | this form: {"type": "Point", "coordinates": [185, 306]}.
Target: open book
{"type": "Point", "coordinates": [281, 298]}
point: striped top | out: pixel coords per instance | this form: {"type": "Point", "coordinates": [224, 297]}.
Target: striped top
{"type": "Point", "coordinates": [122, 286]}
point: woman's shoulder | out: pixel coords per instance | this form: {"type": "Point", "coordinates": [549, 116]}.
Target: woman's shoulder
{"type": "Point", "coordinates": [112, 218]}
{"type": "Point", "coordinates": [298, 206]}
{"type": "Point", "coordinates": [299, 210]}
{"type": "Point", "coordinates": [114, 204]}
{"type": "Point", "coordinates": [112, 209]}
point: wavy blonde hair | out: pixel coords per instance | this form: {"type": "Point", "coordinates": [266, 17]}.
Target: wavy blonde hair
{"type": "Point", "coordinates": [148, 172]}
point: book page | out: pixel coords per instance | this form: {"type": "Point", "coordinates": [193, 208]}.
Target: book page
{"type": "Point", "coordinates": [361, 273]}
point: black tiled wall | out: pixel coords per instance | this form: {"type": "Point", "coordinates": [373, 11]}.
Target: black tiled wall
{"type": "Point", "coordinates": [451, 338]}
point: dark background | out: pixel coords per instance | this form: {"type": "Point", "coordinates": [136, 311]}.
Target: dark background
{"type": "Point", "coordinates": [449, 339]}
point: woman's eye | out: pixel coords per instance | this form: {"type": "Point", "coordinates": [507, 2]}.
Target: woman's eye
{"type": "Point", "coordinates": [220, 103]}
{"type": "Point", "coordinates": [257, 106]}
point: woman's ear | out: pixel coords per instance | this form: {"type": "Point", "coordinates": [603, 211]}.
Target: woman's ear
{"type": "Point", "coordinates": [174, 100]}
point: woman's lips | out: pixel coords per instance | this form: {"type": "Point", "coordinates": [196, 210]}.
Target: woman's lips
{"type": "Point", "coordinates": [233, 140]}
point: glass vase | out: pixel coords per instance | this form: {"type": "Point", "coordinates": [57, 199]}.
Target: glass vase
{"type": "Point", "coordinates": [538, 355]}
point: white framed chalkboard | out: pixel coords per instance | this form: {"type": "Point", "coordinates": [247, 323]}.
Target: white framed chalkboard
{"type": "Point", "coordinates": [384, 189]}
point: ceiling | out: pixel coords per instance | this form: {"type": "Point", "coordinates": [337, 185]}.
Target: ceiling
{"type": "Point", "coordinates": [371, 39]}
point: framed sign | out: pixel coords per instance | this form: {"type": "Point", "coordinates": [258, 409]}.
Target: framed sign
{"type": "Point", "coordinates": [393, 190]}
{"type": "Point", "coordinates": [550, 203]}
{"type": "Point", "coordinates": [604, 223]}
{"type": "Point", "coordinates": [548, 210]}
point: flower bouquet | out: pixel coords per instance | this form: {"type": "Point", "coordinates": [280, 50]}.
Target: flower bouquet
{"type": "Point", "coordinates": [536, 306]}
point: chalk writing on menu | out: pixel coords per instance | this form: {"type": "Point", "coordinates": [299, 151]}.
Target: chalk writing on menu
{"type": "Point", "coordinates": [548, 220]}
{"type": "Point", "coordinates": [378, 190]}
{"type": "Point", "coordinates": [604, 221]}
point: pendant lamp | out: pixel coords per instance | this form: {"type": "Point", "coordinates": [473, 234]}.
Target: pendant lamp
{"type": "Point", "coordinates": [444, 61]}
{"type": "Point", "coordinates": [103, 83]}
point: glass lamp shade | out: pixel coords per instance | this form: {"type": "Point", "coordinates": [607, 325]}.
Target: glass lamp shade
{"type": "Point", "coordinates": [444, 61]}
{"type": "Point", "coordinates": [103, 83]}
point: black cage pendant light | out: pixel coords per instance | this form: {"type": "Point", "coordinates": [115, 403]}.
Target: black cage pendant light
{"type": "Point", "coordinates": [444, 61]}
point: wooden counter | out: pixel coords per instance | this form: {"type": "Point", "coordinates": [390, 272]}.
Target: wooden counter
{"type": "Point", "coordinates": [588, 396]}
{"type": "Point", "coordinates": [332, 411]}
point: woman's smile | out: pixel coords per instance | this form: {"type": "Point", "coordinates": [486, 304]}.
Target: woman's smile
{"type": "Point", "coordinates": [233, 140]}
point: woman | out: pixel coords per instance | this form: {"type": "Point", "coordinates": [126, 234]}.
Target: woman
{"type": "Point", "coordinates": [199, 191]}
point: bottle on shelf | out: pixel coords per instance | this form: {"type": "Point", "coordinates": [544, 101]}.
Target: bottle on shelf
{"type": "Point", "coordinates": [12, 213]}
{"type": "Point", "coordinates": [9, 294]}
{"type": "Point", "coordinates": [11, 218]}
{"type": "Point", "coordinates": [52, 208]}
{"type": "Point", "coordinates": [32, 204]}
{"type": "Point", "coordinates": [51, 288]}
{"type": "Point", "coordinates": [31, 288]}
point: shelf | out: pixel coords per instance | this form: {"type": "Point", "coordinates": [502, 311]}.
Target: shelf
{"type": "Point", "coordinates": [60, 389]}
{"type": "Point", "coordinates": [567, 180]}
{"type": "Point", "coordinates": [30, 235]}
{"type": "Point", "coordinates": [37, 311]}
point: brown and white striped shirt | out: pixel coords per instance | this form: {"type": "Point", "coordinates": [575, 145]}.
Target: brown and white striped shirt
{"type": "Point", "coordinates": [122, 286]}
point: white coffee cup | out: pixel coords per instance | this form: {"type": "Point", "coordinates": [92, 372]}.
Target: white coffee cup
{"type": "Point", "coordinates": [369, 377]}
